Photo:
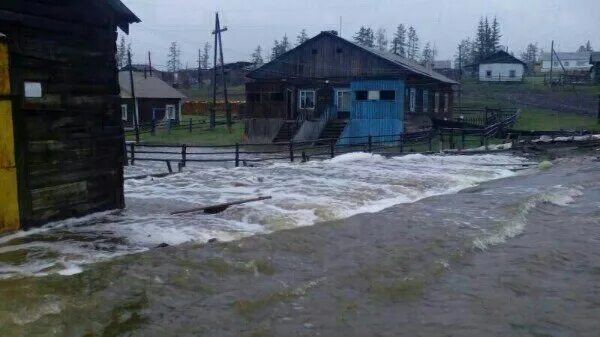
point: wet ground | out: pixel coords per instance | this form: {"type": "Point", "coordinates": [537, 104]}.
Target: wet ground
{"type": "Point", "coordinates": [517, 256]}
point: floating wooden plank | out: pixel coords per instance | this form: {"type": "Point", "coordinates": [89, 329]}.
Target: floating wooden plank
{"type": "Point", "coordinates": [214, 209]}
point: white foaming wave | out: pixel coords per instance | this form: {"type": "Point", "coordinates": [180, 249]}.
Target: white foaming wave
{"type": "Point", "coordinates": [303, 194]}
{"type": "Point", "coordinates": [559, 196]}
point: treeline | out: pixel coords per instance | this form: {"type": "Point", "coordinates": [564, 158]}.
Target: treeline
{"type": "Point", "coordinates": [486, 41]}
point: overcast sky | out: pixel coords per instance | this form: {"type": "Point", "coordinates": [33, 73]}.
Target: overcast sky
{"type": "Point", "coordinates": [442, 22]}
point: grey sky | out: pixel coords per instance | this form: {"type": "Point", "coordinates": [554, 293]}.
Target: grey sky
{"type": "Point", "coordinates": [442, 22]}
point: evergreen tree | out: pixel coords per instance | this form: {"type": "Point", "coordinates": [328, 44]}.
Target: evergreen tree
{"type": "Point", "coordinates": [530, 56]}
{"type": "Point", "coordinates": [399, 41]}
{"type": "Point", "coordinates": [257, 58]}
{"type": "Point", "coordinates": [365, 37]}
{"type": "Point", "coordinates": [495, 35]}
{"type": "Point", "coordinates": [382, 41]}
{"type": "Point", "coordinates": [173, 58]}
{"type": "Point", "coordinates": [413, 44]}
{"type": "Point", "coordinates": [206, 56]}
{"type": "Point", "coordinates": [588, 47]}
{"type": "Point", "coordinates": [121, 55]}
{"type": "Point", "coordinates": [275, 50]}
{"type": "Point", "coordinates": [302, 37]}
{"type": "Point", "coordinates": [285, 45]}
{"type": "Point", "coordinates": [428, 55]}
{"type": "Point", "coordinates": [466, 53]}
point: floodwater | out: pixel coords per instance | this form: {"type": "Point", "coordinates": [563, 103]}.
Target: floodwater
{"type": "Point", "coordinates": [360, 245]}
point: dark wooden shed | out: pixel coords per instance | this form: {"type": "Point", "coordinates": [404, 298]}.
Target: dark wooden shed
{"type": "Point", "coordinates": [61, 149]}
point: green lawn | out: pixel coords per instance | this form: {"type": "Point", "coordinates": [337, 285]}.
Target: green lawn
{"type": "Point", "coordinates": [200, 134]}
{"type": "Point", "coordinates": [205, 93]}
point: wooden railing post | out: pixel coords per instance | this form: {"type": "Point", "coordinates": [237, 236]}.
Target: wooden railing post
{"type": "Point", "coordinates": [462, 139]}
{"type": "Point", "coordinates": [291, 151]}
{"type": "Point", "coordinates": [431, 141]}
{"type": "Point", "coordinates": [401, 143]}
{"type": "Point", "coordinates": [370, 144]}
{"type": "Point", "coordinates": [190, 126]}
{"type": "Point", "coordinates": [332, 148]}
{"type": "Point", "coordinates": [132, 154]}
{"type": "Point", "coordinates": [137, 134]}
{"type": "Point", "coordinates": [153, 127]}
{"type": "Point", "coordinates": [481, 137]}
{"type": "Point", "coordinates": [183, 155]}
{"type": "Point", "coordinates": [237, 154]}
{"type": "Point", "coordinates": [169, 124]}
{"type": "Point", "coordinates": [452, 139]}
{"type": "Point", "coordinates": [441, 140]}
{"type": "Point", "coordinates": [126, 162]}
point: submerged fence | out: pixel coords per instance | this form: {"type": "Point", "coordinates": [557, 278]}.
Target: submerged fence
{"type": "Point", "coordinates": [443, 138]}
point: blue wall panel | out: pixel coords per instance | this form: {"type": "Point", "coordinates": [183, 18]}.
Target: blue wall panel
{"type": "Point", "coordinates": [374, 118]}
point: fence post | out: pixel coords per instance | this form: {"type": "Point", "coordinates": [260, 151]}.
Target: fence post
{"type": "Point", "coordinates": [132, 154]}
{"type": "Point", "coordinates": [291, 151]}
{"type": "Point", "coordinates": [169, 124]}
{"type": "Point", "coordinates": [481, 136]}
{"type": "Point", "coordinates": [487, 143]}
{"type": "Point", "coordinates": [370, 144]}
{"type": "Point", "coordinates": [431, 141]}
{"type": "Point", "coordinates": [332, 148]}
{"type": "Point", "coordinates": [237, 154]}
{"type": "Point", "coordinates": [451, 140]}
{"type": "Point", "coordinates": [191, 125]}
{"type": "Point", "coordinates": [183, 155]}
{"type": "Point", "coordinates": [598, 104]}
{"type": "Point", "coordinates": [402, 143]}
{"type": "Point", "coordinates": [462, 139]}
{"type": "Point", "coordinates": [153, 127]}
{"type": "Point", "coordinates": [304, 157]}
{"type": "Point", "coordinates": [137, 134]}
{"type": "Point", "coordinates": [441, 140]}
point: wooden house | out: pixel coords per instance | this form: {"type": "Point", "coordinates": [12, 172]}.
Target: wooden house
{"type": "Point", "coordinates": [501, 67]}
{"type": "Point", "coordinates": [329, 87]}
{"type": "Point", "coordinates": [595, 71]}
{"type": "Point", "coordinates": [155, 100]}
{"type": "Point", "coordinates": [61, 144]}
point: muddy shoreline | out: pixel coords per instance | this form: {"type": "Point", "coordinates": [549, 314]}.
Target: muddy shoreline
{"type": "Point", "coordinates": [436, 267]}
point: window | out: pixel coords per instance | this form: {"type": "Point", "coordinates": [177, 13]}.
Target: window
{"type": "Point", "coordinates": [425, 100]}
{"type": "Point", "coordinates": [413, 100]}
{"type": "Point", "coordinates": [307, 99]}
{"type": "Point", "coordinates": [387, 95]}
{"type": "Point", "coordinates": [374, 95]}
{"type": "Point", "coordinates": [171, 112]}
{"type": "Point", "coordinates": [567, 63]}
{"type": "Point", "coordinates": [488, 73]}
{"type": "Point", "coordinates": [581, 63]}
{"type": "Point", "coordinates": [124, 112]}
{"type": "Point", "coordinates": [33, 90]}
{"type": "Point", "coordinates": [315, 52]}
{"type": "Point", "coordinates": [362, 95]}
{"type": "Point", "coordinates": [436, 104]}
{"type": "Point", "coordinates": [512, 74]}
{"type": "Point", "coordinates": [556, 64]}
{"type": "Point", "coordinates": [339, 50]}
{"type": "Point", "coordinates": [446, 102]}
{"type": "Point", "coordinates": [343, 100]}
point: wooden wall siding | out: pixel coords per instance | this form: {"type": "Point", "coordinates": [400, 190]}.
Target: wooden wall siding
{"type": "Point", "coordinates": [147, 105]}
{"type": "Point", "coordinates": [72, 136]}
{"type": "Point", "coordinates": [328, 58]}
{"type": "Point", "coordinates": [375, 118]}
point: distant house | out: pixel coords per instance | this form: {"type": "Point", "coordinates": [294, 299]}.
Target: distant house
{"type": "Point", "coordinates": [595, 62]}
{"type": "Point", "coordinates": [329, 87]}
{"type": "Point", "coordinates": [500, 67]}
{"type": "Point", "coordinates": [154, 100]}
{"type": "Point", "coordinates": [572, 62]}
{"type": "Point", "coordinates": [442, 65]}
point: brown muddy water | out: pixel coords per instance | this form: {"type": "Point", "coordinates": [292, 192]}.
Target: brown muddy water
{"type": "Point", "coordinates": [510, 255]}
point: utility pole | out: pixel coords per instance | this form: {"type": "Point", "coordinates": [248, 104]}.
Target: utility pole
{"type": "Point", "coordinates": [218, 43]}
{"type": "Point", "coordinates": [551, 62]}
{"type": "Point", "coordinates": [460, 77]}
{"type": "Point", "coordinates": [135, 117]}
{"type": "Point", "coordinates": [150, 63]}
{"type": "Point", "coordinates": [200, 68]}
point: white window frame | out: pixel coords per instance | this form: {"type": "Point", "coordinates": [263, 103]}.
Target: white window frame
{"type": "Point", "coordinates": [425, 100]}
{"type": "Point", "coordinates": [512, 73]}
{"type": "Point", "coordinates": [436, 105]}
{"type": "Point", "coordinates": [446, 103]}
{"type": "Point", "coordinates": [171, 111]}
{"type": "Point", "coordinates": [302, 96]}
{"type": "Point", "coordinates": [124, 112]}
{"type": "Point", "coordinates": [413, 100]}
{"type": "Point", "coordinates": [373, 95]}
{"type": "Point", "coordinates": [339, 97]}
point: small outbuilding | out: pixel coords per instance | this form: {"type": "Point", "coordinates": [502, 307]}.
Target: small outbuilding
{"type": "Point", "coordinates": [501, 67]}
{"type": "Point", "coordinates": [61, 138]}
{"type": "Point", "coordinates": [155, 100]}
{"type": "Point", "coordinates": [595, 62]}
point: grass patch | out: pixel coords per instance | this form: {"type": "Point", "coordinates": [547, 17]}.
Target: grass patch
{"type": "Point", "coordinates": [260, 333]}
{"type": "Point", "coordinates": [218, 265]}
{"type": "Point", "coordinates": [406, 289]}
{"type": "Point", "coordinates": [200, 134]}
{"type": "Point", "coordinates": [246, 307]}
{"type": "Point", "coordinates": [543, 119]}
{"type": "Point", "coordinates": [205, 93]}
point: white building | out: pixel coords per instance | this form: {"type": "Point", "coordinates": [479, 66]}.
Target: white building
{"type": "Point", "coordinates": [501, 67]}
{"type": "Point", "coordinates": [570, 61]}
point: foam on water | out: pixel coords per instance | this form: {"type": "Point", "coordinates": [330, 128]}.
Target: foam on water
{"type": "Point", "coordinates": [303, 194]}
